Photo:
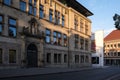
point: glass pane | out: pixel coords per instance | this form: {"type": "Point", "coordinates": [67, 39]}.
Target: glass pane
{"type": "Point", "coordinates": [55, 40]}
{"type": "Point", "coordinates": [30, 9]}
{"type": "Point", "coordinates": [0, 56]}
{"type": "Point", "coordinates": [30, 1]}
{"type": "Point", "coordinates": [62, 20]}
{"type": "Point", "coordinates": [0, 28]}
{"type": "Point", "coordinates": [23, 6]}
{"type": "Point", "coordinates": [12, 31]}
{"type": "Point", "coordinates": [1, 19]}
{"type": "Point", "coordinates": [55, 34]}
{"type": "Point", "coordinates": [41, 11]}
{"type": "Point", "coordinates": [12, 56]}
{"type": "Point", "coordinates": [41, 14]}
{"type": "Point", "coordinates": [48, 32]}
{"type": "Point", "coordinates": [50, 18]}
{"type": "Point", "coordinates": [55, 58]}
{"type": "Point", "coordinates": [59, 35]}
{"type": "Point", "coordinates": [35, 11]}
{"type": "Point", "coordinates": [48, 39]}
{"type": "Point", "coordinates": [50, 15]}
{"type": "Point", "coordinates": [65, 37]}
{"type": "Point", "coordinates": [35, 3]}
{"type": "Point", "coordinates": [8, 2]}
{"type": "Point", "coordinates": [58, 20]}
{"type": "Point", "coordinates": [12, 22]}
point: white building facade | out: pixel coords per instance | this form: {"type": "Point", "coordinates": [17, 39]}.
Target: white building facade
{"type": "Point", "coordinates": [97, 49]}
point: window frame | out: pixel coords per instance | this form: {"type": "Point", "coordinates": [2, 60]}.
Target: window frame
{"type": "Point", "coordinates": [11, 61]}
{"type": "Point", "coordinates": [50, 15]}
{"type": "Point", "coordinates": [48, 35]}
{"type": "Point", "coordinates": [57, 17]}
{"type": "Point", "coordinates": [76, 24]}
{"type": "Point", "coordinates": [76, 41]}
{"type": "Point", "coordinates": [63, 20]}
{"type": "Point", "coordinates": [57, 38]}
{"type": "Point", "coordinates": [2, 24]}
{"type": "Point", "coordinates": [65, 40]}
{"type": "Point", "coordinates": [48, 57]}
{"type": "Point", "coordinates": [12, 26]}
{"type": "Point", "coordinates": [41, 11]}
{"type": "Point", "coordinates": [7, 2]}
{"type": "Point", "coordinates": [77, 59]}
{"type": "Point", "coordinates": [1, 56]}
{"type": "Point", "coordinates": [21, 4]}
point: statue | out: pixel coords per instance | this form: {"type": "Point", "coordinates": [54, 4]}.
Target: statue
{"type": "Point", "coordinates": [116, 18]}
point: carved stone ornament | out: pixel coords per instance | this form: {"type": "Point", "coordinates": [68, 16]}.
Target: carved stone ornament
{"type": "Point", "coordinates": [33, 29]}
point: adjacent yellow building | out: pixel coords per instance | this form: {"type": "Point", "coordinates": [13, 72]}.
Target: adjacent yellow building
{"type": "Point", "coordinates": [44, 33]}
{"type": "Point", "coordinates": [112, 48]}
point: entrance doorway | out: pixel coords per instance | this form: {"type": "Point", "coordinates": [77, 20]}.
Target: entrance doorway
{"type": "Point", "coordinates": [32, 56]}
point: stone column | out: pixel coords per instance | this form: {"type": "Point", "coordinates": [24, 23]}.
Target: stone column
{"type": "Point", "coordinates": [41, 54]}
{"type": "Point", "coordinates": [23, 52]}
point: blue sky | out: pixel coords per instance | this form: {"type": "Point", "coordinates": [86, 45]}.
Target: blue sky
{"type": "Point", "coordinates": [103, 11]}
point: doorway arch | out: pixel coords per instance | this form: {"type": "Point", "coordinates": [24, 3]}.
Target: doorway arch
{"type": "Point", "coordinates": [32, 56]}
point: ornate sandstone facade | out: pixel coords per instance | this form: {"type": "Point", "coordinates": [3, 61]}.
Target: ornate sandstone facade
{"type": "Point", "coordinates": [44, 33]}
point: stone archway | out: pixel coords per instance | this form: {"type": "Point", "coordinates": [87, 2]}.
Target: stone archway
{"type": "Point", "coordinates": [32, 56]}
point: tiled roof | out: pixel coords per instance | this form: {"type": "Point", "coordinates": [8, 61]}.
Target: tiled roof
{"type": "Point", "coordinates": [114, 35]}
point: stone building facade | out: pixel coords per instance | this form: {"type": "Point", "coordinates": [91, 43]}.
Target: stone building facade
{"type": "Point", "coordinates": [44, 33]}
{"type": "Point", "coordinates": [112, 48]}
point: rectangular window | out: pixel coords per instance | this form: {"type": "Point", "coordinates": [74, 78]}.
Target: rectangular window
{"type": "Point", "coordinates": [50, 15]}
{"type": "Point", "coordinates": [48, 57]}
{"type": "Point", "coordinates": [65, 58]}
{"type": "Point", "coordinates": [82, 58]}
{"type": "Point", "coordinates": [30, 1]}
{"type": "Point", "coordinates": [86, 44]}
{"type": "Point", "coordinates": [57, 17]}
{"type": "Point", "coordinates": [57, 38]}
{"type": "Point", "coordinates": [7, 2]}
{"type": "Point", "coordinates": [76, 24]}
{"type": "Point", "coordinates": [118, 45]}
{"type": "Point", "coordinates": [32, 7]}
{"type": "Point", "coordinates": [95, 60]}
{"type": "Point", "coordinates": [22, 5]}
{"type": "Point", "coordinates": [118, 53]}
{"type": "Point", "coordinates": [1, 24]}
{"type": "Point", "coordinates": [76, 58]}
{"type": "Point", "coordinates": [82, 43]}
{"type": "Point", "coordinates": [63, 20]}
{"type": "Point", "coordinates": [41, 11]}
{"type": "Point", "coordinates": [81, 25]}
{"type": "Point", "coordinates": [35, 11]}
{"type": "Point", "coordinates": [65, 40]}
{"type": "Point", "coordinates": [76, 40]}
{"type": "Point", "coordinates": [86, 59]}
{"type": "Point", "coordinates": [35, 3]}
{"type": "Point", "coordinates": [12, 27]}
{"type": "Point", "coordinates": [57, 58]}
{"type": "Point", "coordinates": [12, 56]}
{"type": "Point", "coordinates": [86, 28]}
{"type": "Point", "coordinates": [48, 35]}
{"type": "Point", "coordinates": [0, 56]}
